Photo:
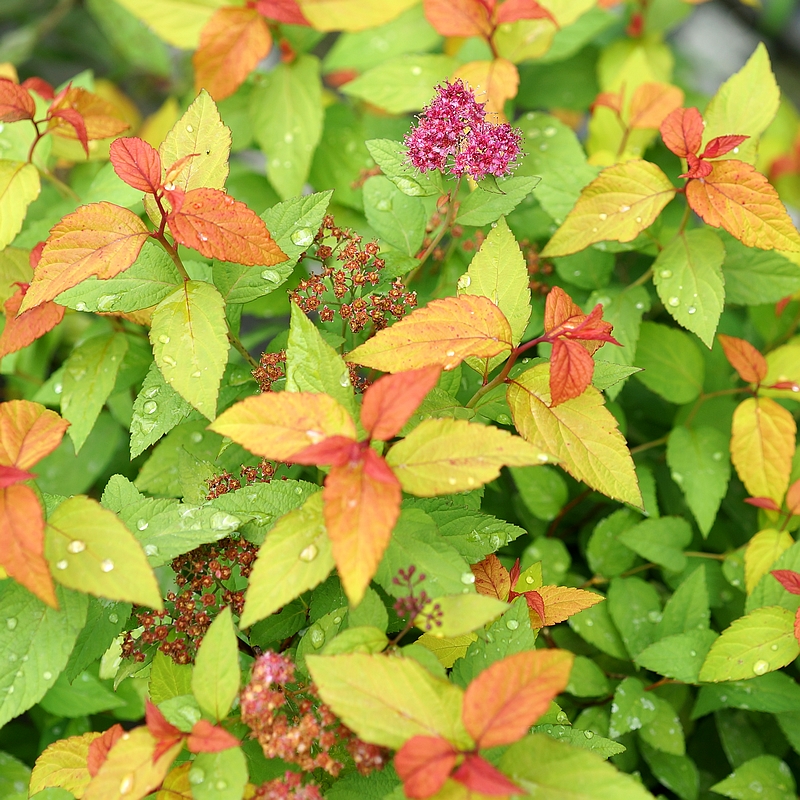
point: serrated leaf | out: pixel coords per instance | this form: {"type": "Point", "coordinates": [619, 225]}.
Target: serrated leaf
{"type": "Point", "coordinates": [660, 540]}
{"type": "Point", "coordinates": [63, 764]}
{"type": "Point", "coordinates": [562, 602]}
{"type": "Point", "coordinates": [688, 608]}
{"type": "Point", "coordinates": [456, 615]}
{"type": "Point", "coordinates": [20, 331]}
{"type": "Point", "coordinates": [89, 549]}
{"type": "Point", "coordinates": [580, 432]}
{"type": "Point", "coordinates": [679, 656]}
{"type": "Point", "coordinates": [350, 15]}
{"type": "Point", "coordinates": [447, 651]}
{"type": "Point", "coordinates": [671, 363]}
{"type": "Point", "coordinates": [596, 627]}
{"type": "Point", "coordinates": [753, 276]}
{"type": "Point", "coordinates": [763, 777]}
{"type": "Point", "coordinates": [618, 205]}
{"type": "Point", "coordinates": [759, 642]}
{"type": "Point", "coordinates": [665, 731]}
{"type": "Point", "coordinates": [774, 693]}
{"type": "Point", "coordinates": [632, 708]}
{"type": "Point", "coordinates": [190, 344]}
{"type": "Point", "coordinates": [215, 678]}
{"type": "Point", "coordinates": [485, 205]}
{"type": "Point", "coordinates": [168, 679]}
{"type": "Point", "coordinates": [395, 216]}
{"type": "Point", "coordinates": [19, 187]}
{"type": "Point", "coordinates": [226, 769]}
{"type": "Point", "coordinates": [392, 158]}
{"type": "Point", "coordinates": [635, 607]}
{"type": "Point", "coordinates": [763, 550]}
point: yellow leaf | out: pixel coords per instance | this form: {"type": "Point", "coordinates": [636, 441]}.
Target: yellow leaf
{"type": "Point", "coordinates": [444, 456]}
{"type": "Point", "coordinates": [19, 187]}
{"type": "Point", "coordinates": [351, 15]}
{"type": "Point", "coordinates": [279, 424]}
{"type": "Point", "coordinates": [177, 22]}
{"type": "Point", "coordinates": [580, 432]}
{"type": "Point", "coordinates": [458, 614]}
{"type": "Point", "coordinates": [493, 82]}
{"type": "Point", "coordinates": [448, 651]}
{"type": "Point", "coordinates": [619, 204]}
{"type": "Point", "coordinates": [783, 364]}
{"type": "Point", "coordinates": [562, 602]}
{"type": "Point", "coordinates": [63, 765]}
{"type": "Point", "coordinates": [762, 552]}
{"type": "Point", "coordinates": [444, 333]}
{"type": "Point", "coordinates": [176, 785]}
{"type": "Point", "coordinates": [762, 446]}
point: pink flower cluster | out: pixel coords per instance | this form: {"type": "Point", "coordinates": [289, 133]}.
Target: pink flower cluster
{"type": "Point", "coordinates": [453, 135]}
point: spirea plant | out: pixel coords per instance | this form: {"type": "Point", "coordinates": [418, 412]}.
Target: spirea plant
{"type": "Point", "coordinates": [407, 409]}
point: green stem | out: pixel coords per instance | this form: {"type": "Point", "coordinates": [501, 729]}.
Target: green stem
{"type": "Point", "coordinates": [647, 445]}
{"type": "Point", "coordinates": [236, 342]}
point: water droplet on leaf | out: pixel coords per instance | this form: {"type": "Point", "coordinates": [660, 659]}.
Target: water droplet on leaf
{"type": "Point", "coordinates": [63, 564]}
{"type": "Point", "coordinates": [674, 302]}
{"type": "Point", "coordinates": [309, 553]}
{"type": "Point", "coordinates": [761, 667]}
{"type": "Point", "coordinates": [76, 546]}
{"type": "Point", "coordinates": [512, 624]}
{"type": "Point", "coordinates": [11, 623]}
{"type": "Point", "coordinates": [196, 776]}
{"type": "Point", "coordinates": [107, 565]}
{"type": "Point", "coordinates": [302, 237]}
{"type": "Point", "coordinates": [150, 407]}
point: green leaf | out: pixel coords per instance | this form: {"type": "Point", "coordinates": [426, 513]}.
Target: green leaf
{"type": "Point", "coordinates": [286, 114]}
{"type": "Point", "coordinates": [401, 84]}
{"type": "Point", "coordinates": [687, 610]}
{"type": "Point", "coordinates": [664, 732]}
{"type": "Point", "coordinates": [688, 276]}
{"type": "Point", "coordinates": [547, 768]}
{"type": "Point", "coordinates": [19, 187]}
{"type": "Point", "coordinates": [105, 620]}
{"type": "Point", "coordinates": [660, 540]}
{"type": "Point", "coordinates": [83, 696]}
{"type": "Point", "coordinates": [485, 204]}
{"type": "Point", "coordinates": [89, 549]}
{"type": "Point", "coordinates": [589, 269]}
{"type": "Point", "coordinates": [699, 459]}
{"type": "Point", "coordinates": [369, 612]}
{"type": "Point", "coordinates": [754, 277]}
{"type": "Point", "coordinates": [553, 152]}
{"type": "Point", "coordinates": [395, 217]}
{"type": "Point", "coordinates": [671, 363]}
{"type": "Point", "coordinates": [679, 656]}
{"type": "Point", "coordinates": [542, 489]}
{"type": "Point", "coordinates": [279, 626]}
{"type": "Point", "coordinates": [605, 552]}
{"type": "Point", "coordinates": [759, 642]}
{"type": "Point", "coordinates": [586, 740]}
{"type": "Point", "coordinates": [168, 679]}
{"type": "Point", "coordinates": [635, 608]}
{"type": "Point", "coordinates": [632, 708]}
{"type": "Point", "coordinates": [317, 635]}
{"type": "Point", "coordinates": [215, 678]}
{"type": "Point", "coordinates": [190, 344]}
{"type": "Point", "coordinates": [586, 679]}
{"type": "Point", "coordinates": [295, 557]}
{"type": "Point", "coordinates": [774, 693]}
{"type": "Point", "coordinates": [769, 592]}
{"type": "Point", "coordinates": [14, 778]}
{"type": "Point", "coordinates": [455, 615]}
{"type": "Point", "coordinates": [152, 277]}
{"type": "Point", "coordinates": [596, 627]}
{"type": "Point", "coordinates": [761, 778]}
{"type": "Point", "coordinates": [294, 223]}
{"type": "Point", "coordinates": [388, 700]}
{"type": "Point", "coordinates": [219, 776]}
{"type": "Point", "coordinates": [36, 641]}
{"type": "Point", "coordinates": [392, 158]}
{"type": "Point", "coordinates": [362, 639]}
{"type": "Point", "coordinates": [678, 773]}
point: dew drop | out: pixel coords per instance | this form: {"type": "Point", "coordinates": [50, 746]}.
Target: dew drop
{"type": "Point", "coordinates": [196, 776]}
{"type": "Point", "coordinates": [126, 785]}
{"type": "Point", "coordinates": [543, 146]}
{"type": "Point", "coordinates": [467, 578]}
{"type": "Point", "coordinates": [512, 624]}
{"type": "Point", "coordinates": [717, 456]}
{"type": "Point", "coordinates": [691, 310]}
{"type": "Point", "coordinates": [223, 522]}
{"type": "Point", "coordinates": [106, 565]}
{"type": "Point", "coordinates": [450, 353]}
{"type": "Point", "coordinates": [624, 209]}
{"type": "Point", "coordinates": [302, 237]}
{"type": "Point", "coordinates": [113, 618]}
{"type": "Point", "coordinates": [220, 785]}
{"type": "Point", "coordinates": [10, 690]}
{"type": "Point", "coordinates": [674, 302]}
{"type": "Point", "coordinates": [196, 437]}
{"type": "Point", "coordinates": [452, 481]}
{"type": "Point", "coordinates": [169, 361]}
{"type": "Point", "coordinates": [735, 149]}
{"type": "Point", "coordinates": [693, 653]}
{"type": "Point", "coordinates": [760, 667]}
{"type": "Point", "coordinates": [151, 392]}
{"type": "Point", "coordinates": [76, 546]}
{"type": "Point", "coordinates": [11, 623]}
{"type": "Point", "coordinates": [189, 129]}
{"type": "Point", "coordinates": [317, 637]}
{"type": "Point", "coordinates": [63, 564]}
{"type": "Point", "coordinates": [550, 131]}
{"type": "Point", "coordinates": [170, 187]}
{"type": "Point", "coordinates": [58, 388]}
{"type": "Point", "coordinates": [150, 550]}
{"type": "Point", "coordinates": [164, 339]}
{"type": "Point", "coordinates": [589, 734]}
{"type": "Point", "coordinates": [202, 237]}
{"type": "Point", "coordinates": [150, 407]}
{"type": "Point", "coordinates": [344, 381]}
{"type": "Point", "coordinates": [384, 205]}
{"type": "Point", "coordinates": [105, 302]}
{"type": "Point", "coordinates": [603, 216]}
{"type": "Point", "coordinates": [464, 281]}
{"type": "Point", "coordinates": [196, 373]}
{"type": "Point", "coordinates": [665, 273]}
{"type": "Point", "coordinates": [80, 306]}
{"type": "Point", "coordinates": [774, 647]}
{"type": "Point", "coordinates": [416, 70]}
{"type": "Point", "coordinates": [142, 524]}
{"type": "Point", "coordinates": [309, 553]}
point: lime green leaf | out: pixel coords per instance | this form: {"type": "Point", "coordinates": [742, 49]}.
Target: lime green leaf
{"type": "Point", "coordinates": [759, 642]}
{"type": "Point", "coordinates": [190, 344]}
{"type": "Point", "coordinates": [678, 773]}
{"type": "Point", "coordinates": [632, 708]}
{"type": "Point", "coordinates": [387, 700]}
{"type": "Point", "coordinates": [679, 656]}
{"type": "Point", "coordinates": [295, 556]}
{"type": "Point", "coordinates": [85, 695]}
{"type": "Point", "coordinates": [168, 679]}
{"type": "Point", "coordinates": [286, 111]}
{"type": "Point", "coordinates": [89, 549]}
{"type": "Point", "coordinates": [586, 679]}
{"type": "Point", "coordinates": [589, 269]}
{"type": "Point", "coordinates": [14, 778]}
{"type": "Point", "coordinates": [665, 731]}
{"type": "Point", "coordinates": [635, 608]}
{"type": "Point", "coordinates": [486, 204]}
{"type": "Point", "coordinates": [392, 158]}
{"type": "Point", "coordinates": [542, 489]}
{"type": "Point", "coordinates": [362, 639]}
{"type": "Point", "coordinates": [19, 187]}
{"type": "Point", "coordinates": [586, 740]}
{"type": "Point", "coordinates": [294, 222]}
{"type": "Point", "coordinates": [395, 217]}
{"type": "Point", "coordinates": [40, 640]}
{"type": "Point", "coordinates": [605, 552]}
{"type": "Point", "coordinates": [754, 277]}
{"type": "Point", "coordinates": [660, 540]}
{"type": "Point", "coordinates": [219, 776]}
{"type": "Point", "coordinates": [177, 22]}
{"type": "Point", "coordinates": [761, 778]}
{"type": "Point", "coordinates": [762, 551]}
{"type": "Point", "coordinates": [90, 373]}
{"type": "Point", "coordinates": [596, 627]}
{"type": "Point", "coordinates": [687, 610]}
{"type": "Point", "coordinates": [456, 615]}
{"type": "Point", "coordinates": [671, 363]}
{"type": "Point", "coordinates": [215, 679]}
{"type": "Point", "coordinates": [449, 650]}
{"type": "Point", "coordinates": [688, 276]}
{"type": "Point", "coordinates": [774, 693]}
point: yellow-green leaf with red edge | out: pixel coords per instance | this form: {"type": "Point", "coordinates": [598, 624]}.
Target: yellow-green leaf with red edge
{"type": "Point", "coordinates": [459, 17]}
{"type": "Point", "coordinates": [63, 765]}
{"type": "Point", "coordinates": [22, 542]}
{"type": "Point", "coordinates": [351, 15]}
{"type": "Point", "coordinates": [99, 239]}
{"type": "Point", "coordinates": [28, 432]}
{"type": "Point", "coordinates": [100, 747]}
{"type": "Point", "coordinates": [562, 602]}
{"type": "Point", "coordinates": [493, 82]}
{"type": "Point", "coordinates": [741, 200]}
{"type": "Point", "coordinates": [443, 333]}
{"type": "Point", "coordinates": [176, 785]}
{"type": "Point", "coordinates": [444, 456]}
{"type": "Point", "coordinates": [101, 118]}
{"type": "Point", "coordinates": [90, 549]}
{"type": "Point", "coordinates": [130, 771]}
{"type": "Point", "coordinates": [19, 187]}
{"type": "Point", "coordinates": [652, 103]}
{"type": "Point", "coordinates": [762, 551]}
{"type": "Point", "coordinates": [492, 578]}
{"type": "Point", "coordinates": [748, 362]}
{"type": "Point", "coordinates": [362, 504]}
{"type": "Point", "coordinates": [762, 446]}
{"type": "Point", "coordinates": [581, 433]}
{"type": "Point", "coordinates": [277, 425]}
{"type": "Point", "coordinates": [424, 763]}
{"type": "Point", "coordinates": [20, 331]}
{"type": "Point", "coordinates": [233, 41]}
{"type": "Point", "coordinates": [618, 204]}
{"type": "Point", "coordinates": [502, 703]}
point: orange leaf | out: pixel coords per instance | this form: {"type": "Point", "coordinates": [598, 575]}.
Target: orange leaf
{"type": "Point", "coordinates": [391, 400]}
{"type": "Point", "coordinates": [478, 775]}
{"type": "Point", "coordinates": [362, 504]}
{"type": "Point", "coordinates": [98, 749]}
{"type": "Point", "coordinates": [20, 331]}
{"type": "Point", "coordinates": [166, 735]}
{"type": "Point", "coordinates": [682, 131]}
{"type": "Point", "coordinates": [561, 602]}
{"type": "Point", "coordinates": [459, 17]}
{"type": "Point", "coordinates": [736, 197]}
{"type": "Point", "coordinates": [282, 11]}
{"type": "Point", "coordinates": [502, 703]}
{"type": "Point", "coordinates": [335, 450]}
{"type": "Point", "coordinates": [513, 10]}
{"type": "Point", "coordinates": [213, 223]}
{"type": "Point", "coordinates": [612, 100]}
{"type": "Point", "coordinates": [762, 446]}
{"type": "Point", "coordinates": [443, 333]}
{"type": "Point", "coordinates": [75, 121]}
{"type": "Point", "coordinates": [424, 763]}
{"type": "Point", "coordinates": [493, 82]}
{"type": "Point", "coordinates": [233, 41]}
{"type": "Point", "coordinates": [651, 103]}
{"type": "Point", "coordinates": [208, 738]}
{"type": "Point", "coordinates": [558, 308]}
{"type": "Point", "coordinates": [793, 498]}
{"type": "Point", "coordinates": [571, 370]}
{"type": "Point", "coordinates": [744, 358]}
{"type": "Point", "coordinates": [15, 102]}
{"type": "Point", "coordinates": [28, 432]}
{"type": "Point", "coordinates": [279, 425]}
{"type": "Point", "coordinates": [99, 239]}
{"type": "Point", "coordinates": [22, 542]}
{"type": "Point", "coordinates": [491, 578]}
{"type": "Point", "coordinates": [100, 117]}
{"type": "Point", "coordinates": [137, 163]}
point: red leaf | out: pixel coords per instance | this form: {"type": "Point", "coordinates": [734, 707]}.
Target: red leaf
{"type": "Point", "coordinates": [459, 17]}
{"type": "Point", "coordinates": [571, 370]}
{"type": "Point", "coordinates": [21, 330]}
{"type": "Point", "coordinates": [558, 308]}
{"type": "Point", "coordinates": [74, 119]}
{"type": "Point", "coordinates": [478, 775]}
{"type": "Point", "coordinates": [98, 749]}
{"type": "Point", "coordinates": [335, 450]}
{"type": "Point", "coordinates": [504, 700]}
{"type": "Point", "coordinates": [720, 145]}
{"type": "Point", "coordinates": [744, 358]}
{"type": "Point", "coordinates": [763, 502]}
{"type": "Point", "coordinates": [536, 604]}
{"type": "Point", "coordinates": [793, 499]}
{"type": "Point", "coordinates": [22, 541]}
{"type": "Point", "coordinates": [11, 475]}
{"type": "Point", "coordinates": [424, 764]}
{"type": "Point", "coordinates": [137, 163]}
{"type": "Point", "coordinates": [492, 578]}
{"type": "Point", "coordinates": [697, 167]}
{"type": "Point", "coordinates": [28, 432]}
{"type": "Point", "coordinates": [208, 738]}
{"type": "Point", "coordinates": [15, 102]}
{"type": "Point", "coordinates": [213, 223]}
{"type": "Point", "coordinates": [100, 117]}
{"type": "Point", "coordinates": [682, 131]}
{"type": "Point", "coordinates": [788, 578]}
{"type": "Point", "coordinates": [391, 400]}
{"type": "Point", "coordinates": [282, 11]}
{"type": "Point", "coordinates": [166, 734]}
{"type": "Point", "coordinates": [35, 256]}
{"type": "Point", "coordinates": [513, 10]}
{"type": "Point", "coordinates": [40, 86]}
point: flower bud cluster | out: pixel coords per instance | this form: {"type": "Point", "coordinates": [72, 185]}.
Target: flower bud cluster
{"type": "Point", "coordinates": [414, 603]}
{"type": "Point", "coordinates": [271, 367]}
